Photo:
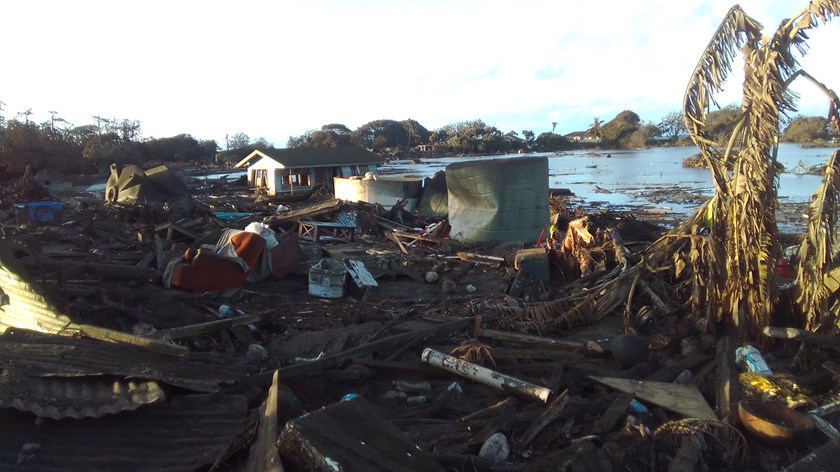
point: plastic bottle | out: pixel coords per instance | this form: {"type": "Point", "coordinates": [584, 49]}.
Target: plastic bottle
{"type": "Point", "coordinates": [750, 358]}
{"type": "Point", "coordinates": [638, 409]}
{"type": "Point", "coordinates": [225, 311]}
{"type": "Point", "coordinates": [639, 417]}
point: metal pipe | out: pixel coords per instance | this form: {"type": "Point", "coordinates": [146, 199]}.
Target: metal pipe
{"type": "Point", "coordinates": [485, 376]}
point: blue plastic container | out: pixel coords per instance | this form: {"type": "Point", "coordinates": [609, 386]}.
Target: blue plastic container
{"type": "Point", "coordinates": [38, 213]}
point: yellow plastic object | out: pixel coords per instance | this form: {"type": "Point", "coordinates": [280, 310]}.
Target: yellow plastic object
{"type": "Point", "coordinates": [777, 387]}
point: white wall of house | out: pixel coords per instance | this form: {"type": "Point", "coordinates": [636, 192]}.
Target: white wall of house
{"type": "Point", "coordinates": [262, 174]}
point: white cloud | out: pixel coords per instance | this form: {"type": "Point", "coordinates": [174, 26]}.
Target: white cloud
{"type": "Point", "coordinates": [275, 69]}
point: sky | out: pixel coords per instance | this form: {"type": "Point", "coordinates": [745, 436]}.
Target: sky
{"type": "Point", "coordinates": [275, 69]}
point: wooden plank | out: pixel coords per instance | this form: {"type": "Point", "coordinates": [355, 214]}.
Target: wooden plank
{"type": "Point", "coordinates": [825, 340]}
{"type": "Point", "coordinates": [227, 342]}
{"type": "Point", "coordinates": [264, 456]}
{"type": "Point", "coordinates": [550, 414]}
{"type": "Point", "coordinates": [528, 339]}
{"type": "Point", "coordinates": [392, 236]}
{"type": "Point", "coordinates": [480, 259]}
{"type": "Point", "coordinates": [204, 328]}
{"type": "Point", "coordinates": [359, 273]}
{"type": "Point", "coordinates": [102, 269]}
{"type": "Point", "coordinates": [159, 254]}
{"type": "Point", "coordinates": [727, 390]}
{"type": "Point", "coordinates": [309, 212]}
{"type": "Point", "coordinates": [416, 237]}
{"type": "Point", "coordinates": [668, 374]}
{"type": "Point", "coordinates": [490, 410]}
{"type": "Point", "coordinates": [826, 457]}
{"type": "Point", "coordinates": [350, 435]}
{"type": "Point", "coordinates": [110, 335]}
{"type": "Point", "coordinates": [685, 400]}
{"type": "Point", "coordinates": [613, 415]}
{"type": "Point", "coordinates": [332, 360]}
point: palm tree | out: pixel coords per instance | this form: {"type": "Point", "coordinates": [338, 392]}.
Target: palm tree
{"type": "Point", "coordinates": [595, 128]}
{"type": "Point", "coordinates": [727, 252]}
{"type": "Point", "coordinates": [553, 125]}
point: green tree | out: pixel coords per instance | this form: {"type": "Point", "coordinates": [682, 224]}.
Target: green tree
{"type": "Point", "coordinates": [24, 144]}
{"type": "Point", "coordinates": [552, 142]}
{"type": "Point", "coordinates": [616, 132]}
{"type": "Point", "coordinates": [641, 137]}
{"type": "Point", "coordinates": [329, 136]}
{"type": "Point", "coordinates": [180, 148]}
{"type": "Point", "coordinates": [529, 138]}
{"type": "Point", "coordinates": [595, 128]}
{"type": "Point", "coordinates": [806, 129]}
{"type": "Point", "coordinates": [720, 124]}
{"type": "Point", "coordinates": [381, 134]}
{"type": "Point", "coordinates": [672, 126]}
{"type": "Point", "coordinates": [238, 141]}
{"type": "Point", "coordinates": [416, 132]}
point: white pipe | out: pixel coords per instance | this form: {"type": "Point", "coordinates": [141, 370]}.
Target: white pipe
{"type": "Point", "coordinates": [485, 376]}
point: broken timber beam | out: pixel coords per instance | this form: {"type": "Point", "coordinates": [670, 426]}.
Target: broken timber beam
{"type": "Point", "coordinates": [550, 414]}
{"type": "Point", "coordinates": [726, 392]}
{"type": "Point", "coordinates": [528, 339]}
{"type": "Point", "coordinates": [110, 270]}
{"type": "Point", "coordinates": [332, 360]}
{"type": "Point", "coordinates": [203, 328]}
{"type": "Point", "coordinates": [492, 261]}
{"type": "Point", "coordinates": [264, 456]}
{"type": "Point", "coordinates": [825, 340]}
{"type": "Point", "coordinates": [110, 335]}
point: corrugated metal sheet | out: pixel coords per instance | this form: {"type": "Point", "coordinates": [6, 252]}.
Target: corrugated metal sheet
{"type": "Point", "coordinates": [63, 356]}
{"type": "Point", "coordinates": [60, 376]}
{"type": "Point", "coordinates": [27, 308]}
{"type": "Point", "coordinates": [187, 434]}
{"type": "Point", "coordinates": [76, 397]}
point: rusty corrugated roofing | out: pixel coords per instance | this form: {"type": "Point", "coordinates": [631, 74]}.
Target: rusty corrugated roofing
{"type": "Point", "coordinates": [58, 376]}
{"type": "Point", "coordinates": [189, 433]}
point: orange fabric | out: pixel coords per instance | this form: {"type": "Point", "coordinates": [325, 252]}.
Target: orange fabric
{"type": "Point", "coordinates": [208, 272]}
{"type": "Point", "coordinates": [248, 246]}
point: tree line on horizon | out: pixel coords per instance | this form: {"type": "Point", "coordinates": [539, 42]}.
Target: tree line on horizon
{"type": "Point", "coordinates": [57, 145]}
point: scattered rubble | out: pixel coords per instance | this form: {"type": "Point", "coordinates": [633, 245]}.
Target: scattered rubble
{"type": "Point", "coordinates": [409, 350]}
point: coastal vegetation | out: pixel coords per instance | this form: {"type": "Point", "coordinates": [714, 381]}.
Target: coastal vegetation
{"type": "Point", "coordinates": [64, 147]}
{"type": "Point", "coordinates": [61, 147]}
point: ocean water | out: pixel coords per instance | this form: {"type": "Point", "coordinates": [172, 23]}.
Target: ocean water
{"type": "Point", "coordinates": [654, 177]}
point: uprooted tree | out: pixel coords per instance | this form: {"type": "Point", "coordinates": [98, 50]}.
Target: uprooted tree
{"type": "Point", "coordinates": [724, 256]}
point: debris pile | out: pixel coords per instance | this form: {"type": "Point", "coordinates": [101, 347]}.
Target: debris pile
{"type": "Point", "coordinates": [372, 340]}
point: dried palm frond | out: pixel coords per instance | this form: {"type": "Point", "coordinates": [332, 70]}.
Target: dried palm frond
{"type": "Point", "coordinates": [681, 428]}
{"type": "Point", "coordinates": [577, 236]}
{"type": "Point", "coordinates": [474, 352]}
{"type": "Point", "coordinates": [731, 261]}
{"type": "Point", "coordinates": [582, 314]}
{"type": "Point", "coordinates": [816, 252]}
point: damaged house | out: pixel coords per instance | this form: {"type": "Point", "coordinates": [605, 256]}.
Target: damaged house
{"type": "Point", "coordinates": [301, 170]}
